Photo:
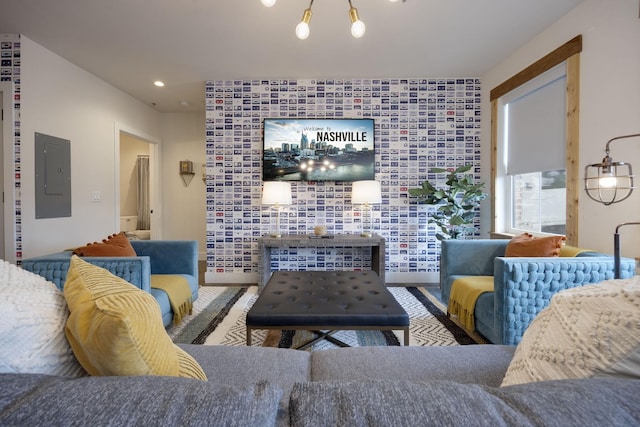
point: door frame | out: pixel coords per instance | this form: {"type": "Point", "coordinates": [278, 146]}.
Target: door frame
{"type": "Point", "coordinates": [155, 183]}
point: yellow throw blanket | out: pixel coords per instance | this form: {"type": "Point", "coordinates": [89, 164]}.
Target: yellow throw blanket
{"type": "Point", "coordinates": [464, 294]}
{"type": "Point", "coordinates": [571, 251]}
{"type": "Point", "coordinates": [177, 287]}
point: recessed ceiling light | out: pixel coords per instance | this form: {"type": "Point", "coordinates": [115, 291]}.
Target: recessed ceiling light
{"type": "Point", "coordinates": [158, 83]}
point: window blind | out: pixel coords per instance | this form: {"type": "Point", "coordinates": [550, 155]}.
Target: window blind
{"type": "Point", "coordinates": [535, 125]}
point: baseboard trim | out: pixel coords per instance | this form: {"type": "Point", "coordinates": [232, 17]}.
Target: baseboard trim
{"type": "Point", "coordinates": [244, 278]}
{"type": "Point", "coordinates": [252, 278]}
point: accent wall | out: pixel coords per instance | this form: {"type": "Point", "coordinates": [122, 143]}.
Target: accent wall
{"type": "Point", "coordinates": [420, 123]}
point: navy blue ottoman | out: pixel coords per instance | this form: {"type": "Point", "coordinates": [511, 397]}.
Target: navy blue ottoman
{"type": "Point", "coordinates": [326, 300]}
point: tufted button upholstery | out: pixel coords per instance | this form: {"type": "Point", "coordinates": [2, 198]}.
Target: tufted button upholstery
{"type": "Point", "coordinates": [326, 298]}
{"type": "Point", "coordinates": [523, 286]}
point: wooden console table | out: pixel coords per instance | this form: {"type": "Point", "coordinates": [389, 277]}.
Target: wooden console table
{"type": "Point", "coordinates": [266, 243]}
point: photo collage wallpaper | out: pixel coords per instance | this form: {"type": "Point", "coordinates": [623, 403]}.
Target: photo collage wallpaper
{"type": "Point", "coordinates": [419, 124]}
{"type": "Point", "coordinates": [10, 72]}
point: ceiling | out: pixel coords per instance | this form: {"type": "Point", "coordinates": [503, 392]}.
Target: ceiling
{"type": "Point", "coordinates": [131, 43]}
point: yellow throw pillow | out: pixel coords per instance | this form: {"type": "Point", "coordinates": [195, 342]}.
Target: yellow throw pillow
{"type": "Point", "coordinates": [525, 245]}
{"type": "Point", "coordinates": [586, 331]}
{"type": "Point", "coordinates": [116, 329]}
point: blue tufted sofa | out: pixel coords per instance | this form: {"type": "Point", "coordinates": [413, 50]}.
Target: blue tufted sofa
{"type": "Point", "coordinates": [167, 257]}
{"type": "Point", "coordinates": [522, 286]}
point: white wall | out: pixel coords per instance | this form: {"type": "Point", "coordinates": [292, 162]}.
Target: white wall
{"type": "Point", "coordinates": [609, 106]}
{"type": "Point", "coordinates": [60, 99]}
{"type": "Point", "coordinates": [184, 207]}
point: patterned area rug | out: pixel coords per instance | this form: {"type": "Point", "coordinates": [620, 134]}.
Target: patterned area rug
{"type": "Point", "coordinates": [220, 312]}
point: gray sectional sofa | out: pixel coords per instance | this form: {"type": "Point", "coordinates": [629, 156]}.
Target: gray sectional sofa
{"type": "Point", "coordinates": [385, 386]}
{"type": "Point", "coordinates": [49, 340]}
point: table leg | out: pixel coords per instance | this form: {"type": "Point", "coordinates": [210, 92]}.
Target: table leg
{"type": "Point", "coordinates": [264, 270]}
{"type": "Point", "coordinates": [323, 335]}
{"type": "Point", "coordinates": [377, 260]}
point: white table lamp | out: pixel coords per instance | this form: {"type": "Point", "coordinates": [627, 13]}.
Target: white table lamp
{"type": "Point", "coordinates": [366, 193]}
{"type": "Point", "coordinates": [276, 194]}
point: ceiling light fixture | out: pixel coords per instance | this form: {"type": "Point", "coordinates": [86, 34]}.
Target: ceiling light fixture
{"type": "Point", "coordinates": [158, 83]}
{"type": "Point", "coordinates": [302, 29]}
{"type": "Point", "coordinates": [357, 26]}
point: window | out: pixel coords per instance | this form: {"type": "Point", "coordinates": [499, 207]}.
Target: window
{"type": "Point", "coordinates": [534, 140]}
{"type": "Point", "coordinates": [532, 151]}
{"type": "Point", "coordinates": [538, 202]}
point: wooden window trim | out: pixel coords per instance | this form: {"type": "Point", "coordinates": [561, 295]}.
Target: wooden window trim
{"type": "Point", "coordinates": [546, 63]}
{"type": "Point", "coordinates": [569, 52]}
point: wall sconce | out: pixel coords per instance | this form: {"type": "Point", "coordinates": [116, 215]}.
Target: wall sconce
{"type": "Point", "coordinates": [366, 193]}
{"type": "Point", "coordinates": [609, 182]}
{"type": "Point", "coordinates": [186, 171]}
{"type": "Point", "coordinates": [276, 194]}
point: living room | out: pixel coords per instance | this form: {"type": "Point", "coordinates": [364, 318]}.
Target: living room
{"type": "Point", "coordinates": [99, 348]}
{"type": "Point", "coordinates": [58, 98]}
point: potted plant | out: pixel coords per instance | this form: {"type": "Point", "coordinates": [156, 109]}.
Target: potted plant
{"type": "Point", "coordinates": [456, 202]}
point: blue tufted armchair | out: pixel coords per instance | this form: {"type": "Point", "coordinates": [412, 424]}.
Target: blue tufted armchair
{"type": "Point", "coordinates": [154, 257]}
{"type": "Point", "coordinates": [522, 286]}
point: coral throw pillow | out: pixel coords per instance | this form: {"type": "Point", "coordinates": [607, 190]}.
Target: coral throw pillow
{"type": "Point", "coordinates": [114, 245]}
{"type": "Point", "coordinates": [525, 245]}
{"type": "Point", "coordinates": [587, 331]}
{"type": "Point", "coordinates": [115, 328]}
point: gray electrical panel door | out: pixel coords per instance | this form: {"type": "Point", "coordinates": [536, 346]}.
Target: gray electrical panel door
{"type": "Point", "coordinates": [53, 176]}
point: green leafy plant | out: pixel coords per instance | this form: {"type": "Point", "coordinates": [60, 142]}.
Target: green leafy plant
{"type": "Point", "coordinates": [456, 202]}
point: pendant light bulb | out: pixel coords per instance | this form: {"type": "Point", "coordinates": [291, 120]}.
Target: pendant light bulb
{"type": "Point", "coordinates": [608, 178]}
{"type": "Point", "coordinates": [302, 29]}
{"type": "Point", "coordinates": [608, 181]}
{"type": "Point", "coordinates": [268, 3]}
{"type": "Point", "coordinates": [357, 26]}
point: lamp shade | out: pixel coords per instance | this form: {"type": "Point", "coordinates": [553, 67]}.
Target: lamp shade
{"type": "Point", "coordinates": [366, 192]}
{"type": "Point", "coordinates": [276, 193]}
{"type": "Point", "coordinates": [609, 182]}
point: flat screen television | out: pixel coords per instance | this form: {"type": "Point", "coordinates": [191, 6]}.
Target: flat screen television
{"type": "Point", "coordinates": [318, 150]}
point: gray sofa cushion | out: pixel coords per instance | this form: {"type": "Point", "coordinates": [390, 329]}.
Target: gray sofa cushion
{"type": "Point", "coordinates": [596, 402]}
{"type": "Point", "coordinates": [33, 399]}
{"type": "Point", "coordinates": [480, 364]}
{"type": "Point", "coordinates": [245, 365]}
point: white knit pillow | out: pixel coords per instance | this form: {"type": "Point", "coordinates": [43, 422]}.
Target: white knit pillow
{"type": "Point", "coordinates": [588, 331]}
{"type": "Point", "coordinates": [33, 315]}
